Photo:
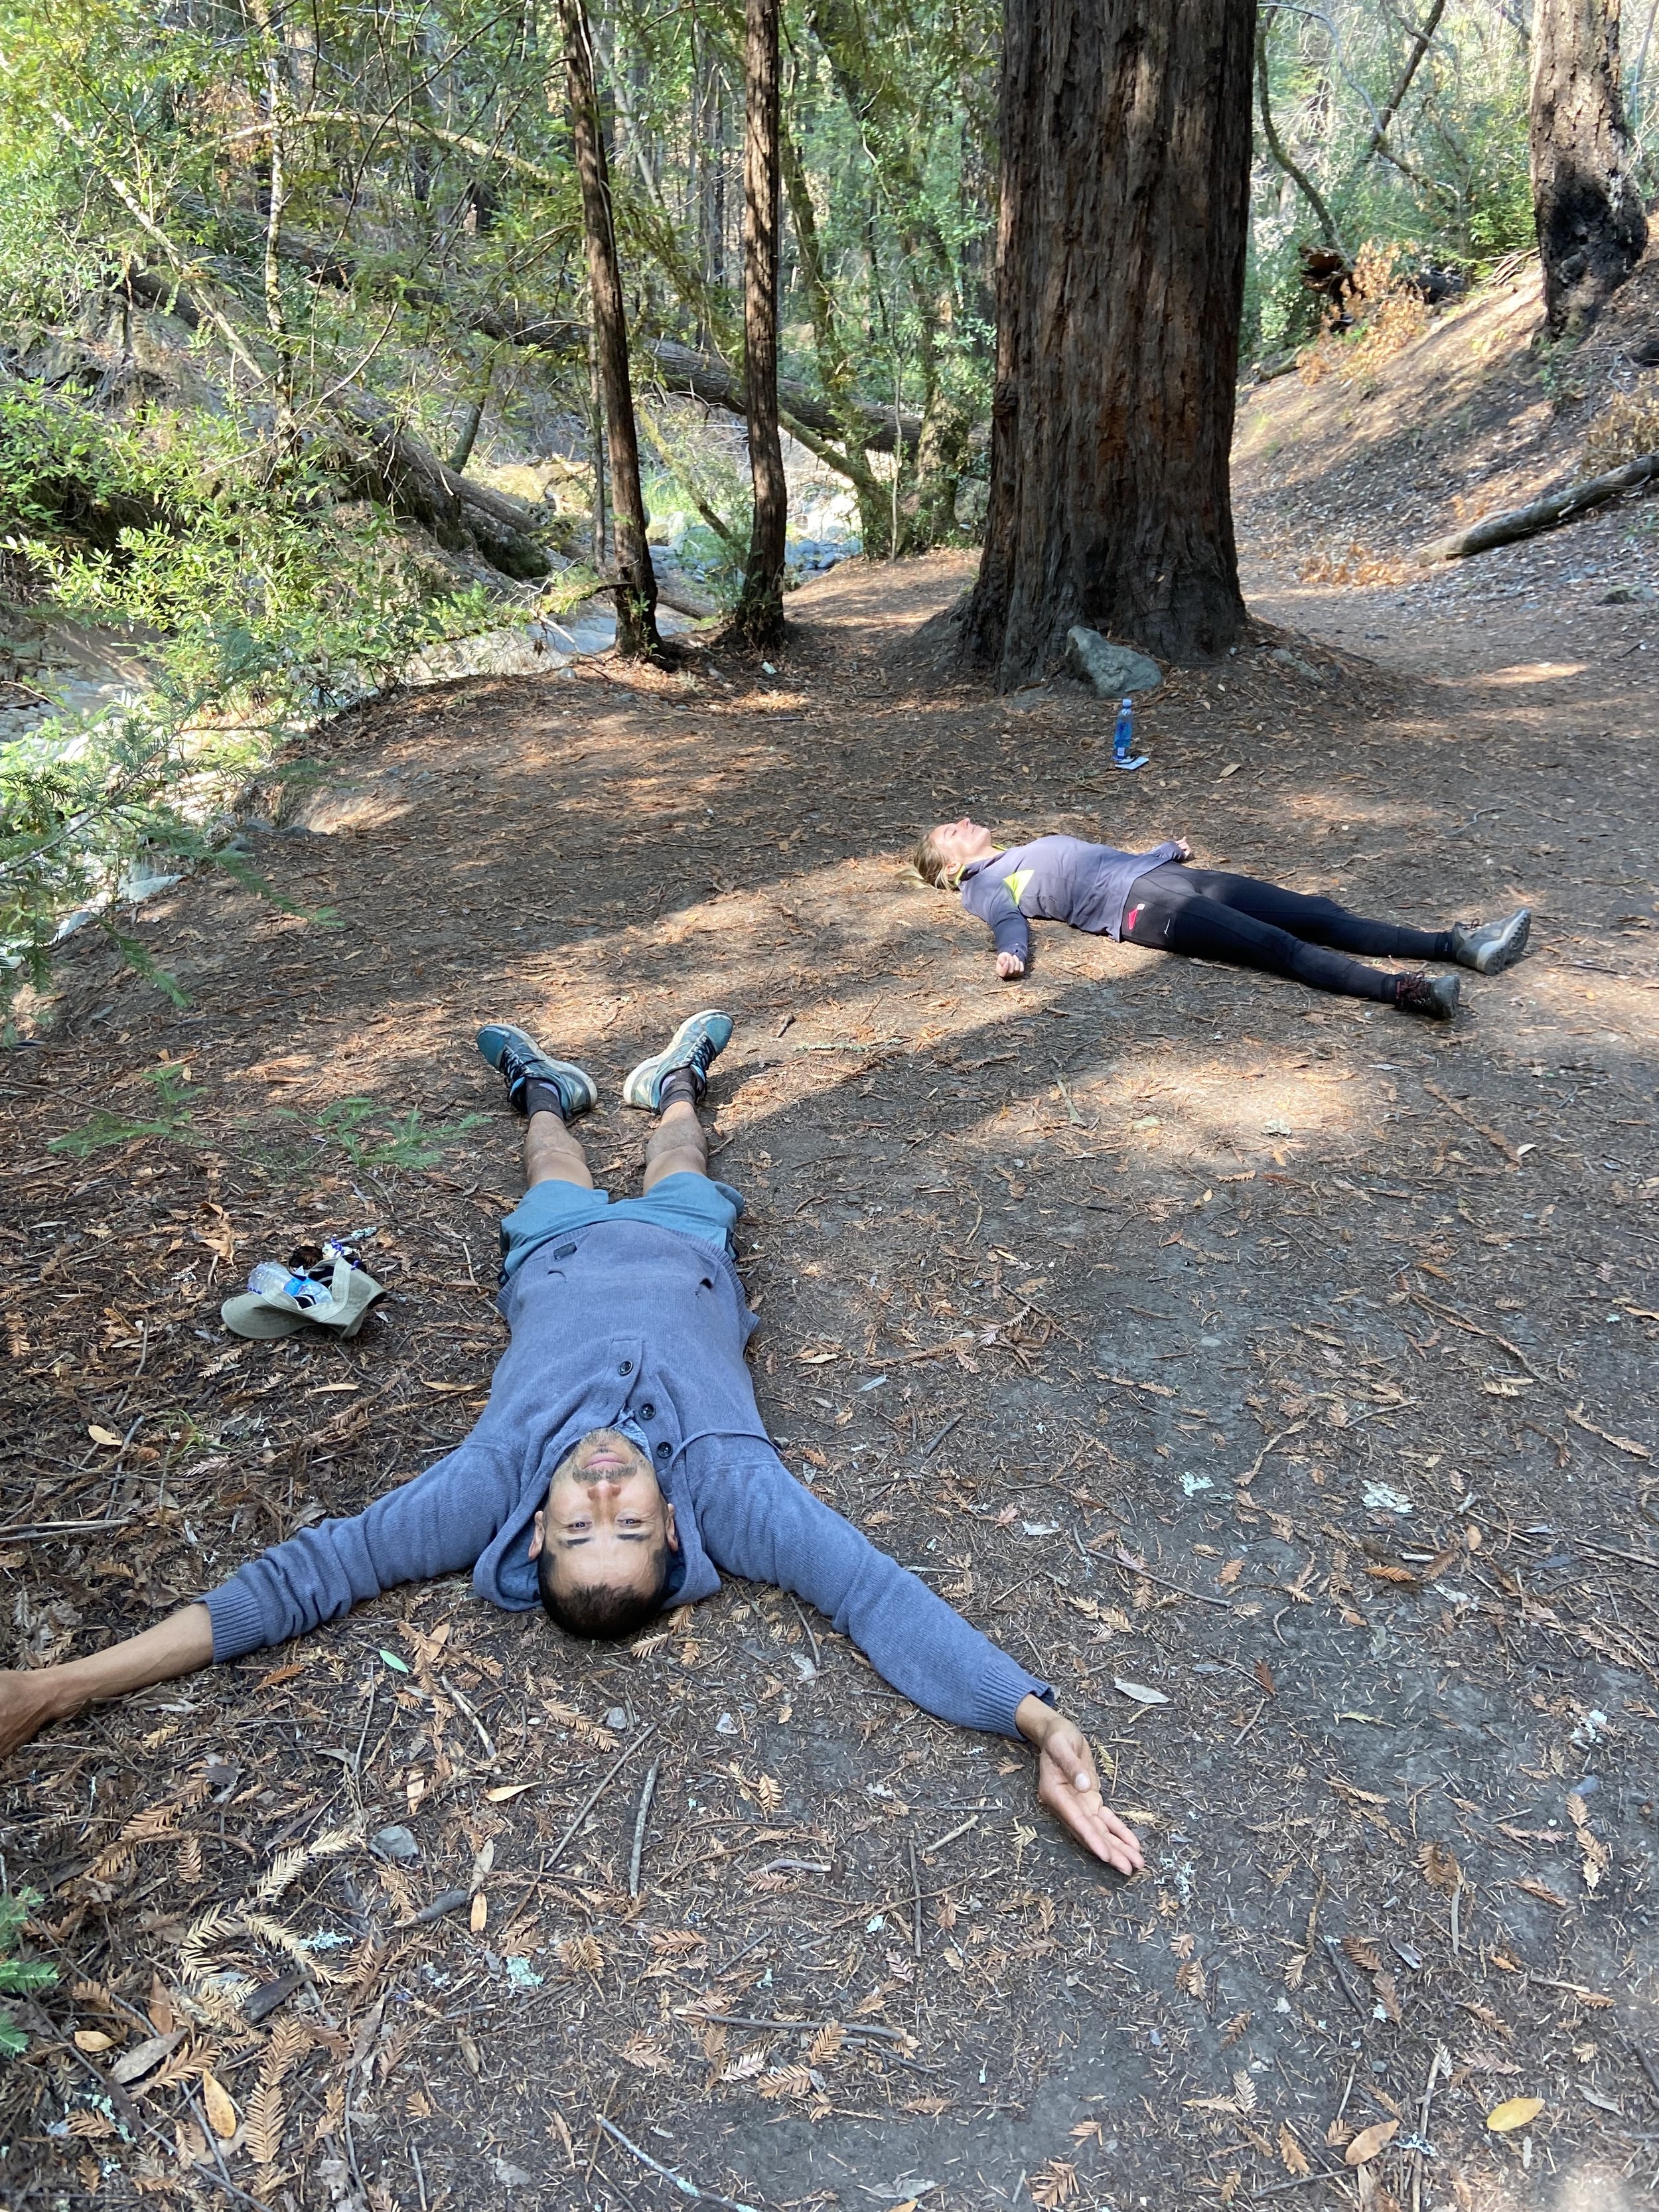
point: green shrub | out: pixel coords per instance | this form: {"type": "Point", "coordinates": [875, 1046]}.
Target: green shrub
{"type": "Point", "coordinates": [18, 1976]}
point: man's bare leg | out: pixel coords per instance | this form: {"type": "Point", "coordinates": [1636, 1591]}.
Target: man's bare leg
{"type": "Point", "coordinates": [677, 1145]}
{"type": "Point", "coordinates": [553, 1153]}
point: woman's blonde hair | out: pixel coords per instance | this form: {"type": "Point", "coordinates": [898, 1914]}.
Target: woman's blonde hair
{"type": "Point", "coordinates": [930, 864]}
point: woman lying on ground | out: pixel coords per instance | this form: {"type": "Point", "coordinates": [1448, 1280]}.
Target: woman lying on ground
{"type": "Point", "coordinates": [1153, 899]}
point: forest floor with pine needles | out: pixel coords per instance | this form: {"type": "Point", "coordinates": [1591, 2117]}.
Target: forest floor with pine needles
{"type": "Point", "coordinates": [1271, 1372]}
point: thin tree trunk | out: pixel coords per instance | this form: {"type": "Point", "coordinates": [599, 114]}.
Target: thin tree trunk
{"type": "Point", "coordinates": [1298, 175]}
{"type": "Point", "coordinates": [1126, 139]}
{"type": "Point", "coordinates": [760, 608]}
{"type": "Point", "coordinates": [1420, 43]}
{"type": "Point", "coordinates": [835, 370]}
{"type": "Point", "coordinates": [636, 582]}
{"type": "Point", "coordinates": [1591, 224]}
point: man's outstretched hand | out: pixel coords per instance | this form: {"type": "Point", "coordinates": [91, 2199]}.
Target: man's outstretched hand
{"type": "Point", "coordinates": [1009, 967]}
{"type": "Point", "coordinates": [28, 1702]}
{"type": "Point", "coordinates": [177, 1645]}
{"type": "Point", "coordinates": [1068, 1785]}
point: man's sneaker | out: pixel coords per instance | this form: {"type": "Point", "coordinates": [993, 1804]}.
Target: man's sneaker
{"type": "Point", "coordinates": [1421, 993]}
{"type": "Point", "coordinates": [517, 1057]}
{"type": "Point", "coordinates": [1486, 946]}
{"type": "Point", "coordinates": [700, 1039]}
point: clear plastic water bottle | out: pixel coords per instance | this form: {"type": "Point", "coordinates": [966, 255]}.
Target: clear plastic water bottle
{"type": "Point", "coordinates": [1123, 739]}
{"type": "Point", "coordinates": [268, 1277]}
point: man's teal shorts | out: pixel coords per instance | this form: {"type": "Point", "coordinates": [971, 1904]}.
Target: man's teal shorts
{"type": "Point", "coordinates": [694, 1204]}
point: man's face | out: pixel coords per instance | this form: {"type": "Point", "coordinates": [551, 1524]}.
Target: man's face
{"type": "Point", "coordinates": [605, 1521]}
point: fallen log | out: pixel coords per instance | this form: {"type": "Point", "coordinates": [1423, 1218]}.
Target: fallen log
{"type": "Point", "coordinates": [679, 368]}
{"type": "Point", "coordinates": [383, 461]}
{"type": "Point", "coordinates": [1518, 522]}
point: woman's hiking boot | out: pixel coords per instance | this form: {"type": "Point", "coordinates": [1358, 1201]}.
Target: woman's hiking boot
{"type": "Point", "coordinates": [1488, 946]}
{"type": "Point", "coordinates": [1420, 992]}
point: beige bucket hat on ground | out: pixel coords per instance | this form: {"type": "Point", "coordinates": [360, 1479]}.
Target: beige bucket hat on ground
{"type": "Point", "coordinates": [274, 1313]}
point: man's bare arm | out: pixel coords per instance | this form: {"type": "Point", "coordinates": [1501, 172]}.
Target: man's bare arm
{"type": "Point", "coordinates": [1069, 1786]}
{"type": "Point", "coordinates": [177, 1645]}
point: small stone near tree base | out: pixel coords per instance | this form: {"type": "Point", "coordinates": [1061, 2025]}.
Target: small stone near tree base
{"type": "Point", "coordinates": [1110, 669]}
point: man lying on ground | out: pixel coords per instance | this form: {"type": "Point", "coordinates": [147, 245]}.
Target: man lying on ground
{"type": "Point", "coordinates": [1152, 899]}
{"type": "Point", "coordinates": [621, 1462]}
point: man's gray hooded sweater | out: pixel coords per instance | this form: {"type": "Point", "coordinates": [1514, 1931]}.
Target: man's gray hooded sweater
{"type": "Point", "coordinates": [618, 1321]}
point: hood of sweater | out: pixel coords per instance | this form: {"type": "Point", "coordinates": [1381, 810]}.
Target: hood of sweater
{"type": "Point", "coordinates": [680, 1381]}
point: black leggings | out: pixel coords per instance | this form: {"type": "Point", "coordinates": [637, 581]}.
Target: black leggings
{"type": "Point", "coordinates": [1211, 915]}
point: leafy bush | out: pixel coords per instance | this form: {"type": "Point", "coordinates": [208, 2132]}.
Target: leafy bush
{"type": "Point", "coordinates": [18, 1976]}
{"type": "Point", "coordinates": [1626, 428]}
{"type": "Point", "coordinates": [268, 606]}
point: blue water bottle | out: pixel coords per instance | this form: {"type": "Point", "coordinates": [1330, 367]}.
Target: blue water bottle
{"type": "Point", "coordinates": [1123, 739]}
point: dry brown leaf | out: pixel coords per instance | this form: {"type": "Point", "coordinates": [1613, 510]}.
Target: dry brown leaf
{"type": "Point", "coordinates": [215, 2101]}
{"type": "Point", "coordinates": [1542, 1890]}
{"type": "Point", "coordinates": [1440, 1869]}
{"type": "Point", "coordinates": [1514, 2112]}
{"type": "Point", "coordinates": [1056, 2185]}
{"type": "Point", "coordinates": [1230, 1574]}
{"type": "Point", "coordinates": [92, 2040]}
{"type": "Point", "coordinates": [639, 2050]}
{"type": "Point", "coordinates": [1388, 1995]}
{"type": "Point", "coordinates": [144, 2057]}
{"type": "Point", "coordinates": [1297, 2161]}
{"type": "Point", "coordinates": [1369, 2141]}
{"type": "Point", "coordinates": [785, 2081]}
{"type": "Point", "coordinates": [1189, 1978]}
{"type": "Point", "coordinates": [1363, 1953]}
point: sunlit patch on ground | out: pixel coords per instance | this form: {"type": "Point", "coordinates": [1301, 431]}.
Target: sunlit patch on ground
{"type": "Point", "coordinates": [1282, 1356]}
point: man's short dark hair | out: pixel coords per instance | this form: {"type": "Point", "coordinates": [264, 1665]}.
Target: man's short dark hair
{"type": "Point", "coordinates": [601, 1611]}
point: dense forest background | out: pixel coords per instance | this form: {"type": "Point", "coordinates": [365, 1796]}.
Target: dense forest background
{"type": "Point", "coordinates": [297, 365]}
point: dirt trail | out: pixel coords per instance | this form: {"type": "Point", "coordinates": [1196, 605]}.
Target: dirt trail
{"type": "Point", "coordinates": [1277, 1355]}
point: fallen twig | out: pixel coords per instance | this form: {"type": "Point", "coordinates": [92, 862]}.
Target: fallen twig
{"type": "Point", "coordinates": [1574, 1413]}
{"type": "Point", "coordinates": [451, 1901]}
{"type": "Point", "coordinates": [640, 1819]}
{"type": "Point", "coordinates": [594, 1796]}
{"type": "Point", "coordinates": [929, 1450]}
{"type": "Point", "coordinates": [855, 2027]}
{"type": "Point", "coordinates": [1272, 1444]}
{"type": "Point", "coordinates": [1130, 1564]}
{"type": "Point", "coordinates": [667, 2173]}
{"type": "Point", "coordinates": [1492, 1136]}
{"type": "Point", "coordinates": [949, 1836]}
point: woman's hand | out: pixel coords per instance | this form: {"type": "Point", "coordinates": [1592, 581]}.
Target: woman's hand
{"type": "Point", "coordinates": [1009, 966]}
{"type": "Point", "coordinates": [1183, 851]}
{"type": "Point", "coordinates": [1069, 1787]}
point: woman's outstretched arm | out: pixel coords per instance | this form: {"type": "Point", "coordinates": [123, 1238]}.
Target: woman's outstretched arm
{"type": "Point", "coordinates": [180, 1644]}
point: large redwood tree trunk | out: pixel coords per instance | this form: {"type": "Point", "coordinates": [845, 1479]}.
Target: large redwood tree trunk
{"type": "Point", "coordinates": [637, 580]}
{"type": "Point", "coordinates": [1126, 153]}
{"type": "Point", "coordinates": [760, 608]}
{"type": "Point", "coordinates": [1591, 224]}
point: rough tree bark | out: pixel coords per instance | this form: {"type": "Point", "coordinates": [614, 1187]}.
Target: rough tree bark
{"type": "Point", "coordinates": [1125, 145]}
{"type": "Point", "coordinates": [1591, 225]}
{"type": "Point", "coordinates": [636, 581]}
{"type": "Point", "coordinates": [760, 606]}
